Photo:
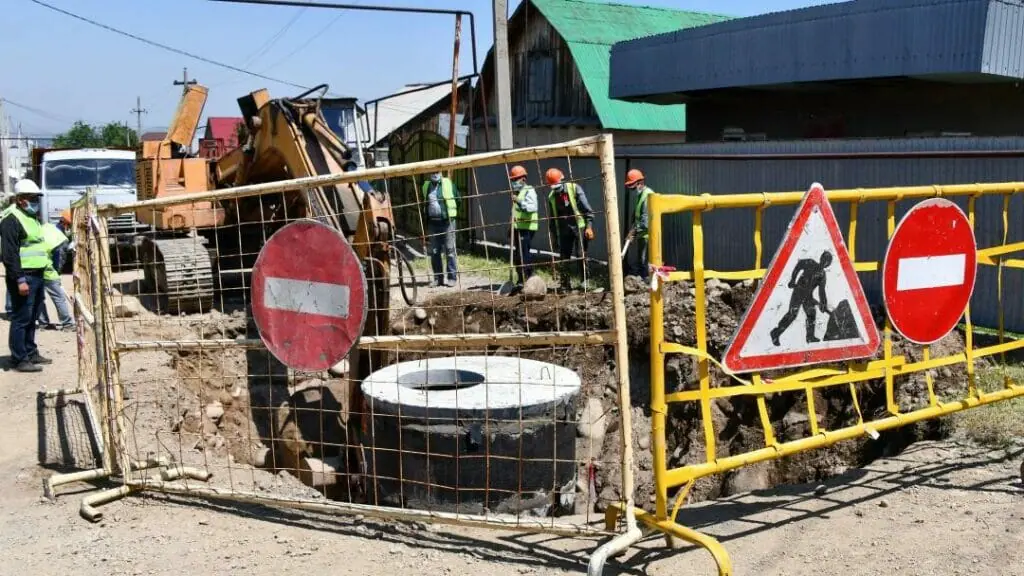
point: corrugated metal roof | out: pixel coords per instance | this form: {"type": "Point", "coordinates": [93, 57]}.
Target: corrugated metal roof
{"type": "Point", "coordinates": [403, 107]}
{"type": "Point", "coordinates": [590, 28]}
{"type": "Point", "coordinates": [844, 41]}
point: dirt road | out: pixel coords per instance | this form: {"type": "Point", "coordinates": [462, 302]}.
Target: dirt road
{"type": "Point", "coordinates": [938, 508]}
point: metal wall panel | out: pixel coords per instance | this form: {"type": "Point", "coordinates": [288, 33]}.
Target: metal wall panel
{"type": "Point", "coordinates": [722, 168]}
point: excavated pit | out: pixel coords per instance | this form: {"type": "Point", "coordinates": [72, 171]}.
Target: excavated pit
{"type": "Point", "coordinates": [474, 434]}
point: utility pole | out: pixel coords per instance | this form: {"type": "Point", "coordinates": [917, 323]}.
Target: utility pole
{"type": "Point", "coordinates": [138, 111]}
{"type": "Point", "coordinates": [502, 85]}
{"type": "Point", "coordinates": [185, 82]}
{"type": "Point", "coordinates": [6, 186]}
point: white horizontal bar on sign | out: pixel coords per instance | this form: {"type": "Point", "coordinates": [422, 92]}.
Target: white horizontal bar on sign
{"type": "Point", "coordinates": [930, 272]}
{"type": "Point", "coordinates": [306, 297]}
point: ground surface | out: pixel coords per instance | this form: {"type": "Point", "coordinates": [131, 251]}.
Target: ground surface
{"type": "Point", "coordinates": [945, 507]}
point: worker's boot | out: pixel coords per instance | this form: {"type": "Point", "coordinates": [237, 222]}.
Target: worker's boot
{"type": "Point", "coordinates": [26, 366]}
{"type": "Point", "coordinates": [38, 358]}
{"type": "Point", "coordinates": [775, 336]}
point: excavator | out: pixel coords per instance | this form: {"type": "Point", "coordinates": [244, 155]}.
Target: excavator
{"type": "Point", "coordinates": [195, 246]}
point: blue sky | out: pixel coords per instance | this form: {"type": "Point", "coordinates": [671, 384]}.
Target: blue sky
{"type": "Point", "coordinates": [68, 70]}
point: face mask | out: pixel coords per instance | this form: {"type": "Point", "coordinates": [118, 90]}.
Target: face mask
{"type": "Point", "coordinates": [517, 184]}
{"type": "Point", "coordinates": [435, 177]}
{"type": "Point", "coordinates": [558, 187]}
{"type": "Point", "coordinates": [32, 207]}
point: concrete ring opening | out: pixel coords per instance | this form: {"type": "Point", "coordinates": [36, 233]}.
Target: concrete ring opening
{"type": "Point", "coordinates": [474, 434]}
{"type": "Point", "coordinates": [441, 379]}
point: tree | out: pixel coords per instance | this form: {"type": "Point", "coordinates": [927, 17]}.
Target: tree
{"type": "Point", "coordinates": [82, 135]}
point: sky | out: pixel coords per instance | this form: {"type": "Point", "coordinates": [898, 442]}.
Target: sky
{"type": "Point", "coordinates": [66, 70]}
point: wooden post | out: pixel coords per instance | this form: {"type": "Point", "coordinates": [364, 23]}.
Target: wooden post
{"type": "Point", "coordinates": [455, 89]}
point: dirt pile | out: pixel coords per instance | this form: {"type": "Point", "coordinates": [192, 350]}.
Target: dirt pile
{"type": "Point", "coordinates": [736, 421]}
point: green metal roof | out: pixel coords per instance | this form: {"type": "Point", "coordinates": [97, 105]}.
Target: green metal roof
{"type": "Point", "coordinates": [590, 28]}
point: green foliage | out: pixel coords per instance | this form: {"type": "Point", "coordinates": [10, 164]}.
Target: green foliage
{"type": "Point", "coordinates": [82, 135]}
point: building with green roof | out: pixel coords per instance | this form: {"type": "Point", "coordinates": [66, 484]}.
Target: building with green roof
{"type": "Point", "coordinates": [559, 53]}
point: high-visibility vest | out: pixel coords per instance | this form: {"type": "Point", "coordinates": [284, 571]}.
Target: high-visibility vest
{"type": "Point", "coordinates": [53, 238]}
{"type": "Point", "coordinates": [447, 195]}
{"type": "Point", "coordinates": [525, 220]}
{"type": "Point", "coordinates": [640, 210]}
{"type": "Point", "coordinates": [33, 249]}
{"type": "Point", "coordinates": [570, 189]}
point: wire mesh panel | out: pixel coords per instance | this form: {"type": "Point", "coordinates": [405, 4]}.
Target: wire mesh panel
{"type": "Point", "coordinates": [482, 386]}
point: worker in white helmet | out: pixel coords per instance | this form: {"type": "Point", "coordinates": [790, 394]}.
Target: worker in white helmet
{"type": "Point", "coordinates": [25, 261]}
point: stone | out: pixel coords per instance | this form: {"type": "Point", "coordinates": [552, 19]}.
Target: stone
{"type": "Point", "coordinates": [593, 423]}
{"type": "Point", "coordinates": [420, 314]}
{"type": "Point", "coordinates": [883, 504]}
{"type": "Point", "coordinates": [748, 479]}
{"type": "Point", "coordinates": [215, 410]}
{"type": "Point", "coordinates": [643, 441]}
{"type": "Point", "coordinates": [535, 288]}
{"type": "Point", "coordinates": [820, 489]}
{"type": "Point", "coordinates": [127, 308]}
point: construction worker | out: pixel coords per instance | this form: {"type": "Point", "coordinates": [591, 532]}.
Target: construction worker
{"type": "Point", "coordinates": [524, 199]}
{"type": "Point", "coordinates": [809, 276]}
{"type": "Point", "coordinates": [571, 222]}
{"type": "Point", "coordinates": [637, 188]}
{"type": "Point", "coordinates": [56, 240]}
{"type": "Point", "coordinates": [25, 261]}
{"type": "Point", "coordinates": [441, 201]}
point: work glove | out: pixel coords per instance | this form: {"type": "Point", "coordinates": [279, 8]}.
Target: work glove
{"type": "Point", "coordinates": [588, 233]}
{"type": "Point", "coordinates": [630, 235]}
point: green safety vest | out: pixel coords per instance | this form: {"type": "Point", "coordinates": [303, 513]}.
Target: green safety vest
{"type": "Point", "coordinates": [641, 208]}
{"type": "Point", "coordinates": [570, 187]}
{"type": "Point", "coordinates": [34, 255]}
{"type": "Point", "coordinates": [52, 239]}
{"type": "Point", "coordinates": [525, 220]}
{"type": "Point", "coordinates": [447, 195]}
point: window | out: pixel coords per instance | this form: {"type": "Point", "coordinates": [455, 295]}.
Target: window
{"type": "Point", "coordinates": [541, 77]}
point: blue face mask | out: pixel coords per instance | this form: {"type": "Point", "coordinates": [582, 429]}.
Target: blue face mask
{"type": "Point", "coordinates": [517, 184]}
{"type": "Point", "coordinates": [32, 207]}
{"type": "Point", "coordinates": [435, 177]}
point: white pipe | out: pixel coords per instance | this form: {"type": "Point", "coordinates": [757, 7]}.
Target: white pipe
{"type": "Point", "coordinates": [615, 546]}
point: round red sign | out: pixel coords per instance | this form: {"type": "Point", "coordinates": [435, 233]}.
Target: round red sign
{"type": "Point", "coordinates": [308, 296]}
{"type": "Point", "coordinates": [929, 270]}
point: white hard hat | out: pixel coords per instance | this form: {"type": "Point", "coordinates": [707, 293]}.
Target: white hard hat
{"type": "Point", "coordinates": [26, 186]}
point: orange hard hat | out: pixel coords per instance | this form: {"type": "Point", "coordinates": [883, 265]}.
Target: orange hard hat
{"type": "Point", "coordinates": [517, 172]}
{"type": "Point", "coordinates": [66, 216]}
{"type": "Point", "coordinates": [633, 176]}
{"type": "Point", "coordinates": [553, 176]}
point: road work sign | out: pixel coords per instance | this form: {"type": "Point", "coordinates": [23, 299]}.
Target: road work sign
{"type": "Point", "coordinates": [929, 270]}
{"type": "Point", "coordinates": [810, 308]}
{"type": "Point", "coordinates": [308, 296]}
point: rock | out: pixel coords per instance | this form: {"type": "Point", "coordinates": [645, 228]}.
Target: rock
{"type": "Point", "coordinates": [215, 410]}
{"type": "Point", "coordinates": [820, 489]}
{"type": "Point", "coordinates": [535, 288]}
{"type": "Point", "coordinates": [883, 503]}
{"type": "Point", "coordinates": [643, 441]}
{"type": "Point", "coordinates": [420, 314]}
{"type": "Point", "coordinates": [593, 423]}
{"type": "Point", "coordinates": [127, 308]}
{"type": "Point", "coordinates": [748, 479]}
{"type": "Point", "coordinates": [432, 321]}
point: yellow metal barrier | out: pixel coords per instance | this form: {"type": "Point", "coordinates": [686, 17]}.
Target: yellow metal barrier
{"type": "Point", "coordinates": [807, 379]}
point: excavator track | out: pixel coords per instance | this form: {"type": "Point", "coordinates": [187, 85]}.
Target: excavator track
{"type": "Point", "coordinates": [179, 273]}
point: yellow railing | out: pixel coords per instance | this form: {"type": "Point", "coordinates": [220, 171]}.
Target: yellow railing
{"type": "Point", "coordinates": [807, 379]}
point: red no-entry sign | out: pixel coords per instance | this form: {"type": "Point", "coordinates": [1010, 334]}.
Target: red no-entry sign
{"type": "Point", "coordinates": [308, 296]}
{"type": "Point", "coordinates": [929, 270]}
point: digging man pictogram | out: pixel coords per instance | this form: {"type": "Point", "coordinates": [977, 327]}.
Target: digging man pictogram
{"type": "Point", "coordinates": [809, 276]}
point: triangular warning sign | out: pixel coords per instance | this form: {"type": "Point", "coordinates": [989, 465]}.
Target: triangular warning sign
{"type": "Point", "coordinates": [810, 308]}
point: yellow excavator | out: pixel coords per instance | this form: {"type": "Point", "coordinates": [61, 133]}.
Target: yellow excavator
{"type": "Point", "coordinates": [193, 246]}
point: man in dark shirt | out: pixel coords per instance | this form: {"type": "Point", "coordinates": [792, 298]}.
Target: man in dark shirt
{"type": "Point", "coordinates": [25, 260]}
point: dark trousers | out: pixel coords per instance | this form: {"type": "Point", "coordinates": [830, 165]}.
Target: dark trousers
{"type": "Point", "coordinates": [640, 265]}
{"type": "Point", "coordinates": [442, 242]}
{"type": "Point", "coordinates": [571, 241]}
{"type": "Point", "coordinates": [24, 312]}
{"type": "Point", "coordinates": [801, 299]}
{"type": "Point", "coordinates": [523, 259]}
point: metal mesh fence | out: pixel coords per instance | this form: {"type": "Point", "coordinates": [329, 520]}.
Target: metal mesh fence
{"type": "Point", "coordinates": [488, 392]}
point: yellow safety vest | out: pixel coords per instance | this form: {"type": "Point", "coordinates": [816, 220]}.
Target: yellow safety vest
{"type": "Point", "coordinates": [525, 220]}
{"type": "Point", "coordinates": [34, 255]}
{"type": "Point", "coordinates": [446, 194]}
{"type": "Point", "coordinates": [570, 189]}
{"type": "Point", "coordinates": [641, 208]}
{"type": "Point", "coordinates": [53, 238]}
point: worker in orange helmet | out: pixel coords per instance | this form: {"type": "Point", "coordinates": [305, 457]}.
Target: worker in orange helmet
{"type": "Point", "coordinates": [525, 222]}
{"type": "Point", "coordinates": [637, 189]}
{"type": "Point", "coordinates": [570, 223]}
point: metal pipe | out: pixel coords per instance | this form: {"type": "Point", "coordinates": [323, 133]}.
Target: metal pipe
{"type": "Point", "coordinates": [60, 479]}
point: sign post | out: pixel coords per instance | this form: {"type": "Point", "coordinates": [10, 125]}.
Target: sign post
{"type": "Point", "coordinates": [308, 296]}
{"type": "Point", "coordinates": [810, 308]}
{"type": "Point", "coordinates": [929, 271]}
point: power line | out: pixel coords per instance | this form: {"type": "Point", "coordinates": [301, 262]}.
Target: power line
{"type": "Point", "coordinates": [304, 44]}
{"type": "Point", "coordinates": [273, 39]}
{"type": "Point", "coordinates": [166, 47]}
{"type": "Point", "coordinates": [38, 112]}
